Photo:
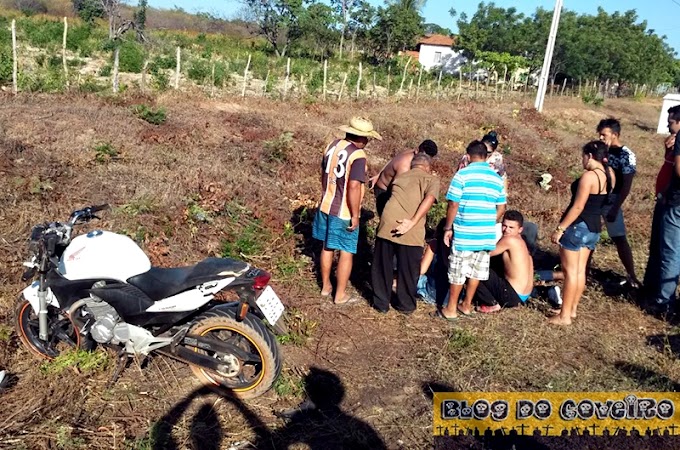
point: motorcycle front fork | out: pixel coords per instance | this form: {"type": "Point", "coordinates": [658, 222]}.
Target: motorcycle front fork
{"type": "Point", "coordinates": [43, 331]}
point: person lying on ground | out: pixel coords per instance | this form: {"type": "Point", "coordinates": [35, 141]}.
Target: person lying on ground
{"type": "Point", "coordinates": [514, 287]}
{"type": "Point", "coordinates": [401, 163]}
{"type": "Point", "coordinates": [476, 203]}
{"type": "Point", "coordinates": [579, 229]}
{"type": "Point", "coordinates": [401, 232]}
{"type": "Point", "coordinates": [433, 283]}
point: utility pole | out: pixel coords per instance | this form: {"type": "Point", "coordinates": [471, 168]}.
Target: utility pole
{"type": "Point", "coordinates": [547, 61]}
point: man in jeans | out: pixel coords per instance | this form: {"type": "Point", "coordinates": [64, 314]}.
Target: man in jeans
{"type": "Point", "coordinates": [651, 281]}
{"type": "Point", "coordinates": [622, 160]}
{"type": "Point", "coordinates": [669, 251]}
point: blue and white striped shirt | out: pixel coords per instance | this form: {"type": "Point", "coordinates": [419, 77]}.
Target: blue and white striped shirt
{"type": "Point", "coordinates": [478, 190]}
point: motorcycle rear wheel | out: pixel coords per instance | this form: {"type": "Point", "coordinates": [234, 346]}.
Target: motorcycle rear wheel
{"type": "Point", "coordinates": [253, 378]}
{"type": "Point", "coordinates": [64, 333]}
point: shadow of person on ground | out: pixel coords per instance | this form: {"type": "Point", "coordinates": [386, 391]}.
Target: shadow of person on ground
{"type": "Point", "coordinates": [665, 343]}
{"type": "Point", "coordinates": [646, 379]}
{"type": "Point", "coordinates": [302, 221]}
{"type": "Point", "coordinates": [318, 422]}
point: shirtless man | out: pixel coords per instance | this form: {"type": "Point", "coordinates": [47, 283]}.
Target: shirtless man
{"type": "Point", "coordinates": [515, 287]}
{"type": "Point", "coordinates": [397, 165]}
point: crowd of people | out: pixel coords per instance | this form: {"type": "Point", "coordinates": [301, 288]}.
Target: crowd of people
{"type": "Point", "coordinates": [480, 256]}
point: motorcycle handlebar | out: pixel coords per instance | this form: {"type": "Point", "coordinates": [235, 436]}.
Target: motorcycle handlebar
{"type": "Point", "coordinates": [86, 214]}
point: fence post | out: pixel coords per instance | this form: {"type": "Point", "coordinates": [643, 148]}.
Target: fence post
{"type": "Point", "coordinates": [359, 81]}
{"type": "Point", "coordinates": [375, 89]}
{"type": "Point", "coordinates": [63, 52]}
{"type": "Point", "coordinates": [342, 86]}
{"type": "Point", "coordinates": [116, 63]}
{"type": "Point", "coordinates": [325, 77]}
{"type": "Point", "coordinates": [403, 77]}
{"type": "Point", "coordinates": [178, 67]}
{"type": "Point", "coordinates": [245, 76]}
{"type": "Point", "coordinates": [420, 75]}
{"type": "Point", "coordinates": [439, 84]}
{"type": "Point", "coordinates": [142, 84]}
{"type": "Point", "coordinates": [564, 85]}
{"type": "Point", "coordinates": [285, 83]}
{"type": "Point", "coordinates": [14, 57]}
{"type": "Point", "coordinates": [212, 79]}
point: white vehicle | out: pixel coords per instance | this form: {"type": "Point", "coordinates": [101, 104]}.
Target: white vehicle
{"type": "Point", "coordinates": [100, 288]}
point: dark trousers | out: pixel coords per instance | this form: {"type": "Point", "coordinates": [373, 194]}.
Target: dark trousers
{"type": "Point", "coordinates": [496, 290]}
{"type": "Point", "coordinates": [408, 270]}
{"type": "Point", "coordinates": [651, 281]}
{"type": "Point", "coordinates": [381, 197]}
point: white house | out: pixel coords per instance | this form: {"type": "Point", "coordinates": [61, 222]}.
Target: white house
{"type": "Point", "coordinates": [435, 51]}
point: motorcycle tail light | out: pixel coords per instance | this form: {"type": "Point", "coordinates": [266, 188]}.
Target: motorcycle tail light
{"type": "Point", "coordinates": [262, 280]}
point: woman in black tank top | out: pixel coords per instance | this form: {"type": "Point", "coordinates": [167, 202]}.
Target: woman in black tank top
{"type": "Point", "coordinates": [579, 229]}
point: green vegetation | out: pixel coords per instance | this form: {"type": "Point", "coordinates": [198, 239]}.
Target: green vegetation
{"type": "Point", "coordinates": [81, 360]}
{"type": "Point", "coordinates": [104, 153]}
{"type": "Point", "coordinates": [155, 116]}
{"type": "Point", "coordinates": [278, 149]}
{"type": "Point", "coordinates": [289, 384]}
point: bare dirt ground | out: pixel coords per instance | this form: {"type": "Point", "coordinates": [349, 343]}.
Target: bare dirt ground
{"type": "Point", "coordinates": [227, 160]}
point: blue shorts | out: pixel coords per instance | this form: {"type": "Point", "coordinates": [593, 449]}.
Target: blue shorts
{"type": "Point", "coordinates": [578, 236]}
{"type": "Point", "coordinates": [333, 232]}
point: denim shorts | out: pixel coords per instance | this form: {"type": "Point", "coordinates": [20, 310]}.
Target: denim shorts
{"type": "Point", "coordinates": [579, 236]}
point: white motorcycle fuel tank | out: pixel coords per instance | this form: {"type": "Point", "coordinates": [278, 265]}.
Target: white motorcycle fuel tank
{"type": "Point", "coordinates": [102, 254]}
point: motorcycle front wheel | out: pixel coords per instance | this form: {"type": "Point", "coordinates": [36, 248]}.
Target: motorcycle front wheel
{"type": "Point", "coordinates": [63, 333]}
{"type": "Point", "coordinates": [253, 377]}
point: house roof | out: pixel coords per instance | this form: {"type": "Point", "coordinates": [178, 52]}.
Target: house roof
{"type": "Point", "coordinates": [436, 39]}
{"type": "Point", "coordinates": [412, 53]}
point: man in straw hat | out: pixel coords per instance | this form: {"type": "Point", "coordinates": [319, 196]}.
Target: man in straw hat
{"type": "Point", "coordinates": [343, 174]}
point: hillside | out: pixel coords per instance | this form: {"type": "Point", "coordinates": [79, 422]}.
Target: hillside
{"type": "Point", "coordinates": [222, 177]}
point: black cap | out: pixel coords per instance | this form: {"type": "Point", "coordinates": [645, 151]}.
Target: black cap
{"type": "Point", "coordinates": [492, 138]}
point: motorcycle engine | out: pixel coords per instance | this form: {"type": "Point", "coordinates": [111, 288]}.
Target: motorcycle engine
{"type": "Point", "coordinates": [107, 327]}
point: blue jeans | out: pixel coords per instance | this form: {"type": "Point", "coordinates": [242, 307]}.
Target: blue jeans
{"type": "Point", "coordinates": [669, 255]}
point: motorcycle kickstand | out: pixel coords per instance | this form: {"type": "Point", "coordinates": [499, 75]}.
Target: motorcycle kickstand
{"type": "Point", "coordinates": [123, 359]}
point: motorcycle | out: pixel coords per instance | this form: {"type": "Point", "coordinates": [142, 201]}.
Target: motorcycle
{"type": "Point", "coordinates": [100, 288]}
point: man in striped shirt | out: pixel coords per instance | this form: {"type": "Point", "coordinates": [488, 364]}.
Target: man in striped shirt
{"type": "Point", "coordinates": [476, 203]}
{"type": "Point", "coordinates": [343, 174]}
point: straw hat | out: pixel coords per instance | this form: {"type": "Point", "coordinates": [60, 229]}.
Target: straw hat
{"type": "Point", "coordinates": [359, 126]}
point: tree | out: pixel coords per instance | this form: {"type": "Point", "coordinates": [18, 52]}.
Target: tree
{"type": "Point", "coordinates": [602, 46]}
{"type": "Point", "coordinates": [89, 10]}
{"type": "Point", "coordinates": [276, 20]}
{"type": "Point", "coordinates": [361, 20]}
{"type": "Point", "coordinates": [433, 28]}
{"type": "Point", "coordinates": [397, 28]}
{"type": "Point", "coordinates": [318, 27]}
{"type": "Point", "coordinates": [140, 15]}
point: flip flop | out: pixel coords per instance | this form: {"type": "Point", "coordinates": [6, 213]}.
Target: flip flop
{"type": "Point", "coordinates": [466, 314]}
{"type": "Point", "coordinates": [350, 300]}
{"type": "Point", "coordinates": [326, 294]}
{"type": "Point", "coordinates": [438, 314]}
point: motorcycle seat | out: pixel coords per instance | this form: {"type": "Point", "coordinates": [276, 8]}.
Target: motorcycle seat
{"type": "Point", "coordinates": [159, 283]}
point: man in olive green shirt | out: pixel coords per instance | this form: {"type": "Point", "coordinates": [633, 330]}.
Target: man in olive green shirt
{"type": "Point", "coordinates": [401, 232]}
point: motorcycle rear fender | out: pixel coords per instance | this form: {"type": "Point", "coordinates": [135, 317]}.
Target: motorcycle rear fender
{"type": "Point", "coordinates": [31, 295]}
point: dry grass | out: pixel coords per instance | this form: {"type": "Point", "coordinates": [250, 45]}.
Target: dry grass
{"type": "Point", "coordinates": [210, 157]}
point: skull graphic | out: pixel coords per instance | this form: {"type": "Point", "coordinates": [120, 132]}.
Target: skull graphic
{"type": "Point", "coordinates": [585, 409]}
{"type": "Point", "coordinates": [666, 409]}
{"type": "Point", "coordinates": [481, 409]}
{"type": "Point", "coordinates": [543, 409]}
{"type": "Point", "coordinates": [499, 410]}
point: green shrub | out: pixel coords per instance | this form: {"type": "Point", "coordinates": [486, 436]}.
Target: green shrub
{"type": "Point", "coordinates": [153, 116]}
{"type": "Point", "coordinates": [90, 84]}
{"type": "Point", "coordinates": [105, 71]}
{"type": "Point", "coordinates": [131, 57]}
{"type": "Point", "coordinates": [278, 149]}
{"type": "Point", "coordinates": [199, 70]}
{"type": "Point", "coordinates": [160, 81]}
{"type": "Point", "coordinates": [104, 153]}
{"type": "Point", "coordinates": [5, 64]}
{"type": "Point", "coordinates": [162, 62]}
{"type": "Point", "coordinates": [42, 81]}
{"type": "Point", "coordinates": [41, 33]}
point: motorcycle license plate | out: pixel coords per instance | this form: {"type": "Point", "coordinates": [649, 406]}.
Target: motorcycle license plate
{"type": "Point", "coordinates": [270, 305]}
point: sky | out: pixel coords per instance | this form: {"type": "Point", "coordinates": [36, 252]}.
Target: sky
{"type": "Point", "coordinates": [661, 15]}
